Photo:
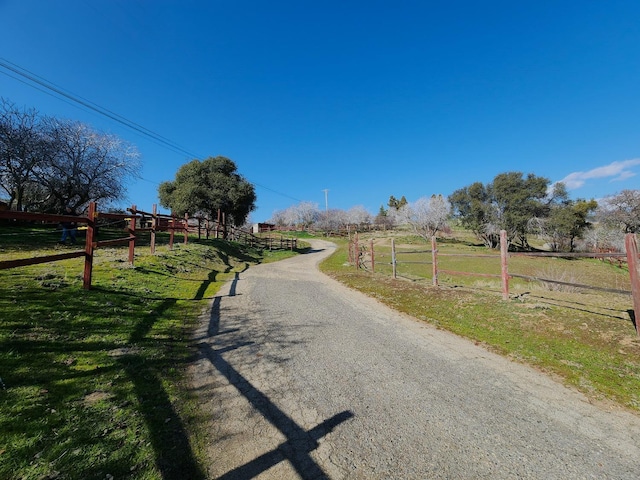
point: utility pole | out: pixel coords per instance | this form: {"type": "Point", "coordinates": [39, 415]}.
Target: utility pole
{"type": "Point", "coordinates": [326, 199]}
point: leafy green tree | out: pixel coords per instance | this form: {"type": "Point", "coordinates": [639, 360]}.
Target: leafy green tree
{"type": "Point", "coordinates": [395, 203]}
{"type": "Point", "coordinates": [475, 209]}
{"type": "Point", "coordinates": [208, 187]}
{"type": "Point", "coordinates": [572, 221]}
{"type": "Point", "coordinates": [508, 203]}
{"type": "Point", "coordinates": [517, 200]}
{"type": "Point", "coordinates": [567, 221]}
{"type": "Point", "coordinates": [383, 217]}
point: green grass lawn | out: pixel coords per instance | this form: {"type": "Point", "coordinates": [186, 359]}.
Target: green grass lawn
{"type": "Point", "coordinates": [586, 338]}
{"type": "Point", "coordinates": [92, 383]}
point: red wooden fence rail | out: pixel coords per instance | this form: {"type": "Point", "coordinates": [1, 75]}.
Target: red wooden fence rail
{"type": "Point", "coordinates": [159, 222]}
{"type": "Point", "coordinates": [39, 217]}
{"type": "Point", "coordinates": [90, 241]}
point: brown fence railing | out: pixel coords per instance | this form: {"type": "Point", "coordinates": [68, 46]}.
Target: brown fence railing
{"type": "Point", "coordinates": [267, 242]}
{"type": "Point", "coordinates": [90, 221]}
{"type": "Point", "coordinates": [362, 255]}
{"type": "Point", "coordinates": [134, 223]}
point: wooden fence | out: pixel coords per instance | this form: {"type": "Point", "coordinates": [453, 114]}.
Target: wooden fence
{"type": "Point", "coordinates": [136, 221]}
{"type": "Point", "coordinates": [362, 255]}
{"type": "Point", "coordinates": [267, 242]}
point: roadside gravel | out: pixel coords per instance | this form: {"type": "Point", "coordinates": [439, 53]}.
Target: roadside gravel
{"type": "Point", "coordinates": [304, 378]}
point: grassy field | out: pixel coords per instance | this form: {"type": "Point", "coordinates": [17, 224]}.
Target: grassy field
{"type": "Point", "coordinates": [92, 383]}
{"type": "Point", "coordinates": [586, 338]}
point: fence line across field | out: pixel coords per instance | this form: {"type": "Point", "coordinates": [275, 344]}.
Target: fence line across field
{"type": "Point", "coordinates": [159, 223]}
{"type": "Point", "coordinates": [357, 254]}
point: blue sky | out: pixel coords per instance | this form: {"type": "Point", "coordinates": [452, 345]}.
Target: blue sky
{"type": "Point", "coordinates": [365, 99]}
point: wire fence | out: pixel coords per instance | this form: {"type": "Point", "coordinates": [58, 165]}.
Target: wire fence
{"type": "Point", "coordinates": [363, 255]}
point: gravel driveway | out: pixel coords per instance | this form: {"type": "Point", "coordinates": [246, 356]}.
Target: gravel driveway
{"type": "Point", "coordinates": [304, 378]}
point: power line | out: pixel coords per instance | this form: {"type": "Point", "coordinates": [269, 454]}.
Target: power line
{"type": "Point", "coordinates": [38, 81]}
{"type": "Point", "coordinates": [32, 77]}
{"type": "Point", "coordinates": [276, 192]}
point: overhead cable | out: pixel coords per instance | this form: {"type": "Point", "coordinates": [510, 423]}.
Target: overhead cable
{"type": "Point", "coordinates": [38, 81]}
{"type": "Point", "coordinates": [32, 77]}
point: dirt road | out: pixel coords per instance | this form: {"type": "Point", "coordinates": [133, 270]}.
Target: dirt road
{"type": "Point", "coordinates": [304, 378]}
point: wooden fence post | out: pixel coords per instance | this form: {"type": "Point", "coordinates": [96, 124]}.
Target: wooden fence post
{"type": "Point", "coordinates": [88, 247]}
{"type": "Point", "coordinates": [225, 233]}
{"type": "Point", "coordinates": [186, 227]}
{"type": "Point", "coordinates": [172, 226]}
{"type": "Point", "coordinates": [373, 261]}
{"type": "Point", "coordinates": [393, 257]}
{"type": "Point", "coordinates": [154, 226]}
{"type": "Point", "coordinates": [631, 245]}
{"type": "Point", "coordinates": [132, 234]}
{"type": "Point", "coordinates": [504, 249]}
{"type": "Point", "coordinates": [356, 252]}
{"type": "Point", "coordinates": [434, 261]}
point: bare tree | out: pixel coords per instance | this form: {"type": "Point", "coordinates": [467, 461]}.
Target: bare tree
{"type": "Point", "coordinates": [603, 237]}
{"type": "Point", "coordinates": [307, 213]}
{"type": "Point", "coordinates": [334, 219]}
{"type": "Point", "coordinates": [426, 216]}
{"type": "Point", "coordinates": [83, 165]}
{"type": "Point", "coordinates": [279, 218]}
{"type": "Point", "coordinates": [21, 151]}
{"type": "Point", "coordinates": [291, 216]}
{"type": "Point", "coordinates": [47, 164]}
{"type": "Point", "coordinates": [304, 214]}
{"type": "Point", "coordinates": [358, 215]}
{"type": "Point", "coordinates": [622, 209]}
